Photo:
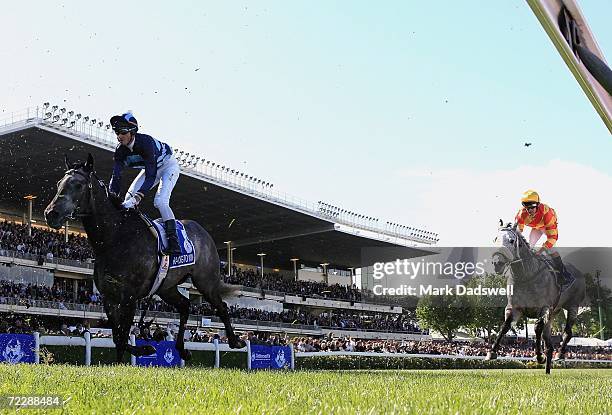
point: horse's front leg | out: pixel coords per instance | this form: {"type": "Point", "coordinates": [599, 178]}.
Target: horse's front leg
{"type": "Point", "coordinates": [123, 319]}
{"type": "Point", "coordinates": [546, 334]}
{"type": "Point", "coordinates": [114, 313]}
{"type": "Point", "coordinates": [539, 328]}
{"type": "Point", "coordinates": [511, 315]}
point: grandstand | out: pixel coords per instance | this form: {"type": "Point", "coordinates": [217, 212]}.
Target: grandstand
{"type": "Point", "coordinates": [306, 286]}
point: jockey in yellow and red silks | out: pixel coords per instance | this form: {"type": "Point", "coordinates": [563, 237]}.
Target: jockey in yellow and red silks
{"type": "Point", "coordinates": [542, 219]}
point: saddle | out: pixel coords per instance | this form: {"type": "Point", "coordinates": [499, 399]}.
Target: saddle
{"type": "Point", "coordinates": [562, 275]}
{"type": "Point", "coordinates": [167, 262]}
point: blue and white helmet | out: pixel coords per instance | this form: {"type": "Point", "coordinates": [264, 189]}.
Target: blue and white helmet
{"type": "Point", "coordinates": [124, 123]}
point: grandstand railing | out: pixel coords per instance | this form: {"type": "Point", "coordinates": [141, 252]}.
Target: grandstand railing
{"type": "Point", "coordinates": [100, 134]}
{"type": "Point", "coordinates": [55, 260]}
{"type": "Point", "coordinates": [267, 291]}
{"type": "Point", "coordinates": [259, 291]}
{"type": "Point", "coordinates": [53, 305]}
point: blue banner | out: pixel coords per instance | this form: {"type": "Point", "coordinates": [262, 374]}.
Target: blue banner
{"type": "Point", "coordinates": [260, 356]}
{"type": "Point", "coordinates": [17, 348]}
{"type": "Point", "coordinates": [281, 357]}
{"type": "Point", "coordinates": [270, 357]}
{"type": "Point", "coordinates": [165, 355]}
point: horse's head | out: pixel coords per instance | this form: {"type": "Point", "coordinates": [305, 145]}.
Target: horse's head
{"type": "Point", "coordinates": [71, 191]}
{"type": "Point", "coordinates": [512, 246]}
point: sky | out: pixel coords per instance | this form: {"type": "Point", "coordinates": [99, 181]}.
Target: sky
{"type": "Point", "coordinates": [414, 112]}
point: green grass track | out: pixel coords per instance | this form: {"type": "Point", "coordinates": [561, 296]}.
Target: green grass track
{"type": "Point", "coordinates": [127, 390]}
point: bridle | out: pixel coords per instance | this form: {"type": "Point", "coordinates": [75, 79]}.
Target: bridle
{"type": "Point", "coordinates": [79, 212]}
{"type": "Point", "coordinates": [516, 245]}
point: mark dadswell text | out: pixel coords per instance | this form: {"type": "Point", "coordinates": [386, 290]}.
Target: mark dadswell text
{"type": "Point", "coordinates": [458, 289]}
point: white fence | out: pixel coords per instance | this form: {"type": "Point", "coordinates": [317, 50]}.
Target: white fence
{"type": "Point", "coordinates": [88, 342]}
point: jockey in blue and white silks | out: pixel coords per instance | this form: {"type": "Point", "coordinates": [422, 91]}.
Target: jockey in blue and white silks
{"type": "Point", "coordinates": [158, 165]}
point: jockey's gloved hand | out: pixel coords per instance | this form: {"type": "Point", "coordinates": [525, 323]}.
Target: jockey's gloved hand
{"type": "Point", "coordinates": [133, 201]}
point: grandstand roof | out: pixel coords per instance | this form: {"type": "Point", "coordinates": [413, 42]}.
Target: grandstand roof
{"type": "Point", "coordinates": [32, 150]}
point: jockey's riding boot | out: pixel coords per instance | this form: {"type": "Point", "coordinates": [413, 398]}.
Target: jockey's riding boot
{"type": "Point", "coordinates": [562, 274]}
{"type": "Point", "coordinates": [173, 243]}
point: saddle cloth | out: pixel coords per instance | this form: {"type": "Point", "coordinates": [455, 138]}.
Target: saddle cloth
{"type": "Point", "coordinates": [165, 262]}
{"type": "Point", "coordinates": [187, 255]}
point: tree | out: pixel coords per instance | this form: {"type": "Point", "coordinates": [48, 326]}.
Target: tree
{"type": "Point", "coordinates": [444, 313]}
{"type": "Point", "coordinates": [598, 295]}
{"type": "Point", "coordinates": [487, 311]}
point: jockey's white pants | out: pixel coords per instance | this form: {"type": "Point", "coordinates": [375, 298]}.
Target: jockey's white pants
{"type": "Point", "coordinates": [534, 237]}
{"type": "Point", "coordinates": [167, 176]}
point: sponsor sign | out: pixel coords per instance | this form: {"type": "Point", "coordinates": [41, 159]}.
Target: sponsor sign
{"type": "Point", "coordinates": [165, 354]}
{"type": "Point", "coordinates": [17, 348]}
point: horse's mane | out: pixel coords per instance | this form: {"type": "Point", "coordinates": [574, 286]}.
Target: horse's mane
{"type": "Point", "coordinates": [521, 237]}
{"type": "Point", "coordinates": [516, 232]}
{"type": "Point", "coordinates": [114, 199]}
{"type": "Point", "coordinates": [522, 241]}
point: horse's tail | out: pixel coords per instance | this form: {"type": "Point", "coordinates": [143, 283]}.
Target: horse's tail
{"type": "Point", "coordinates": [228, 290]}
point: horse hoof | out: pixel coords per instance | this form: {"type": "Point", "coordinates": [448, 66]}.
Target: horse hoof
{"type": "Point", "coordinates": [237, 344]}
{"type": "Point", "coordinates": [185, 355]}
{"type": "Point", "coordinates": [541, 359]}
{"type": "Point", "coordinates": [491, 356]}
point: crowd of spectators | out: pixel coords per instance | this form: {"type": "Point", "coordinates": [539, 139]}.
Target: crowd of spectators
{"type": "Point", "coordinates": [338, 319]}
{"type": "Point", "coordinates": [276, 282]}
{"type": "Point", "coordinates": [44, 243]}
{"type": "Point", "coordinates": [349, 344]}
{"type": "Point", "coordinates": [384, 322]}
{"type": "Point", "coordinates": [45, 325]}
{"type": "Point", "coordinates": [27, 293]}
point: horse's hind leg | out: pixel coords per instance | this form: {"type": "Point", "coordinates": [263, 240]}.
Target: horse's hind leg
{"type": "Point", "coordinates": [511, 315]}
{"type": "Point", "coordinates": [173, 297]}
{"type": "Point", "coordinates": [572, 313]}
{"type": "Point", "coordinates": [222, 311]}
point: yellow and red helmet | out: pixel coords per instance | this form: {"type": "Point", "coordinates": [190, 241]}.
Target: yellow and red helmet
{"type": "Point", "coordinates": [530, 197]}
